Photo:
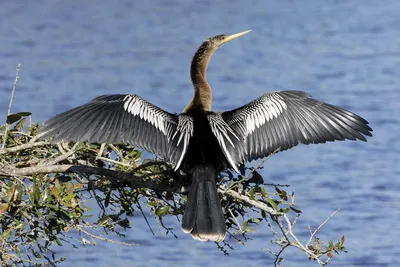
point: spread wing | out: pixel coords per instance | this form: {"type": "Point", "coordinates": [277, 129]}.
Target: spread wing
{"type": "Point", "coordinates": [124, 118]}
{"type": "Point", "coordinates": [280, 121]}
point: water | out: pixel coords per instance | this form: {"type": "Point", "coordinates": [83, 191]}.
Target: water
{"type": "Point", "coordinates": [343, 52]}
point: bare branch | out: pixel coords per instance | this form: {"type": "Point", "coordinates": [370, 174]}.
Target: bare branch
{"type": "Point", "coordinates": [117, 151]}
{"type": "Point", "coordinates": [115, 162]}
{"type": "Point", "coordinates": [13, 89]}
{"type": "Point", "coordinates": [262, 162]}
{"type": "Point", "coordinates": [9, 106]}
{"type": "Point", "coordinates": [278, 258]}
{"type": "Point", "coordinates": [23, 147]}
{"type": "Point", "coordinates": [320, 226]}
{"type": "Point", "coordinates": [80, 229]}
{"type": "Point", "coordinates": [101, 150]}
{"type": "Point", "coordinates": [258, 204]}
{"type": "Point", "coordinates": [62, 157]}
{"type": "Point", "coordinates": [236, 221]}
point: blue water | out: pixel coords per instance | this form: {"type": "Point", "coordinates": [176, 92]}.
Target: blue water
{"type": "Point", "coordinates": [343, 52]}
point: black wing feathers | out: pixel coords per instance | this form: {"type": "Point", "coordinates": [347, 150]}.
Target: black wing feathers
{"type": "Point", "coordinates": [122, 118]}
{"type": "Point", "coordinates": [282, 120]}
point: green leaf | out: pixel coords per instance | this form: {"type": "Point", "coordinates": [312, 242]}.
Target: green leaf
{"type": "Point", "coordinates": [13, 118]}
{"type": "Point", "coordinates": [285, 210]}
{"type": "Point", "coordinates": [162, 211]}
{"type": "Point", "coordinates": [257, 178]}
{"type": "Point", "coordinates": [124, 223]}
{"type": "Point", "coordinates": [282, 193]}
{"type": "Point", "coordinates": [3, 207]}
{"type": "Point", "coordinates": [272, 203]}
{"type": "Point", "coordinates": [107, 200]}
{"type": "Point", "coordinates": [6, 233]}
{"type": "Point", "coordinates": [278, 190]}
{"type": "Point", "coordinates": [18, 250]}
{"type": "Point", "coordinates": [52, 207]}
{"type": "Point", "coordinates": [58, 242]}
{"type": "Point", "coordinates": [21, 225]}
{"type": "Point", "coordinates": [69, 188]}
{"type": "Point", "coordinates": [20, 124]}
{"type": "Point", "coordinates": [256, 220]}
{"type": "Point", "coordinates": [263, 193]}
{"type": "Point", "coordinates": [244, 225]}
{"type": "Point", "coordinates": [152, 203]}
{"type": "Point", "coordinates": [54, 191]}
{"type": "Point", "coordinates": [295, 210]}
{"type": "Point", "coordinates": [36, 193]}
{"type": "Point", "coordinates": [24, 113]}
{"type": "Point", "coordinates": [251, 193]}
{"type": "Point", "coordinates": [68, 197]}
{"type": "Point", "coordinates": [102, 221]}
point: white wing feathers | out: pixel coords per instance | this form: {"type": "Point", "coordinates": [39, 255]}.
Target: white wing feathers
{"type": "Point", "coordinates": [124, 118]}
{"type": "Point", "coordinates": [226, 137]}
{"type": "Point", "coordinates": [276, 120]}
{"type": "Point", "coordinates": [280, 121]}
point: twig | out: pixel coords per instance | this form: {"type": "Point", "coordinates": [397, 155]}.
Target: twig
{"type": "Point", "coordinates": [116, 150]}
{"type": "Point", "coordinates": [80, 229]}
{"type": "Point", "coordinates": [258, 204]}
{"type": "Point", "coordinates": [102, 146]}
{"type": "Point", "coordinates": [278, 259]}
{"type": "Point", "coordinates": [13, 89]}
{"type": "Point", "coordinates": [236, 221]}
{"type": "Point", "coordinates": [144, 216]}
{"type": "Point", "coordinates": [278, 220]}
{"type": "Point", "coordinates": [320, 226]}
{"type": "Point", "coordinates": [114, 161]}
{"type": "Point", "coordinates": [23, 147]}
{"type": "Point", "coordinates": [298, 244]}
{"type": "Point", "coordinates": [262, 162]}
{"type": "Point", "coordinates": [61, 157]}
{"type": "Point", "coordinates": [60, 148]}
{"type": "Point", "coordinates": [9, 106]}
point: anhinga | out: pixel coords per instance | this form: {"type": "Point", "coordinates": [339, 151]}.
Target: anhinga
{"type": "Point", "coordinates": [203, 143]}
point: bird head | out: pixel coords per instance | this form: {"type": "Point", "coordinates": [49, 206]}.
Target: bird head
{"type": "Point", "coordinates": [221, 39]}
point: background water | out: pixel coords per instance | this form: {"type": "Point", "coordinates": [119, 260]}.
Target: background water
{"type": "Point", "coordinates": [343, 52]}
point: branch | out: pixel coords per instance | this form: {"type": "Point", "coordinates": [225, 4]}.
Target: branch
{"type": "Point", "coordinates": [23, 147]}
{"type": "Point", "coordinates": [117, 176]}
{"type": "Point", "coordinates": [320, 226]}
{"type": "Point", "coordinates": [61, 157]}
{"type": "Point", "coordinates": [93, 236]}
{"type": "Point", "coordinates": [9, 106]}
{"type": "Point", "coordinates": [258, 204]}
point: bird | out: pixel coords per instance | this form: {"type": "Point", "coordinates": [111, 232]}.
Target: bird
{"type": "Point", "coordinates": [201, 142]}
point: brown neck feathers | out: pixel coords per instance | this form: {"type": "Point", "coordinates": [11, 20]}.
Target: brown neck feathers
{"type": "Point", "coordinates": [202, 97]}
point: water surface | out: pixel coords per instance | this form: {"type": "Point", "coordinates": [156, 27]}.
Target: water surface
{"type": "Point", "coordinates": [343, 52]}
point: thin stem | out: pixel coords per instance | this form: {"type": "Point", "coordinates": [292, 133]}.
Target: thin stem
{"type": "Point", "coordinates": [236, 221]}
{"type": "Point", "coordinates": [80, 229]}
{"type": "Point", "coordinates": [320, 226]}
{"type": "Point", "coordinates": [13, 89]}
{"type": "Point", "coordinates": [9, 106]}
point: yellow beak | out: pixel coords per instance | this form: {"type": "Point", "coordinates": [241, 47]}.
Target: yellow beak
{"type": "Point", "coordinates": [234, 36]}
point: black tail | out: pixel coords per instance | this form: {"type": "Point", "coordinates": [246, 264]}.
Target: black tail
{"type": "Point", "coordinates": [203, 217]}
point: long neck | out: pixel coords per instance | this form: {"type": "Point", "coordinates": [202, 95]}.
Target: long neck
{"type": "Point", "coordinates": [202, 97]}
